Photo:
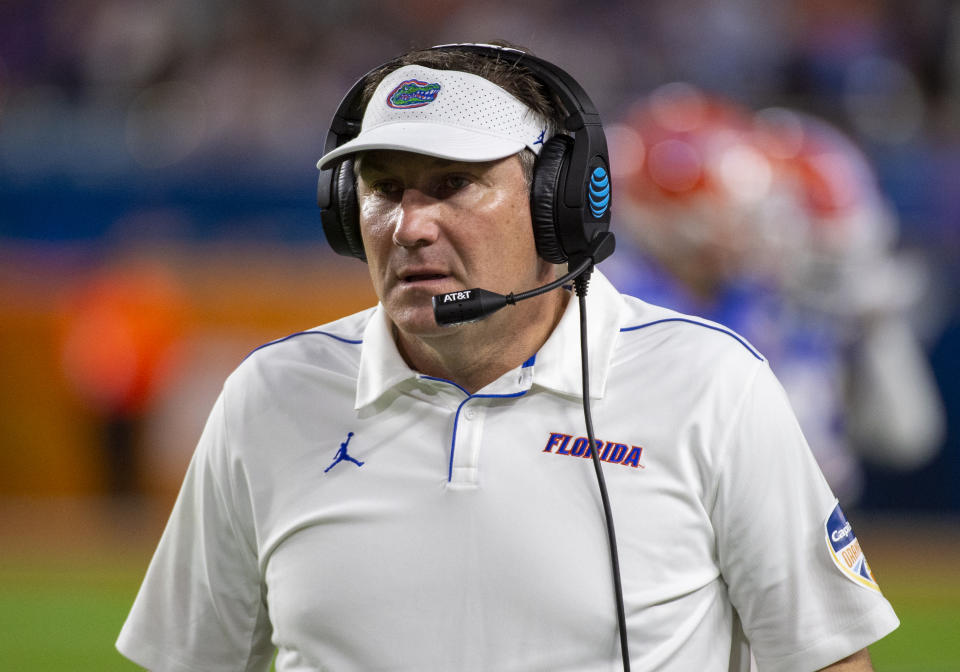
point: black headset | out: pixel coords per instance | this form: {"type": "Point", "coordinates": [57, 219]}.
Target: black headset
{"type": "Point", "coordinates": [570, 195]}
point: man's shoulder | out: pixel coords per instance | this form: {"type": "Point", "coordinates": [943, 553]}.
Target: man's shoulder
{"type": "Point", "coordinates": [659, 330]}
{"type": "Point", "coordinates": [334, 346]}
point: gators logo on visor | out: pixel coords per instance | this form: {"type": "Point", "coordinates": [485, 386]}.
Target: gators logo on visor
{"type": "Point", "coordinates": [412, 93]}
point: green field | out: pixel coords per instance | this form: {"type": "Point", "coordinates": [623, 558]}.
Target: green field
{"type": "Point", "coordinates": [928, 639]}
{"type": "Point", "coordinates": [63, 613]}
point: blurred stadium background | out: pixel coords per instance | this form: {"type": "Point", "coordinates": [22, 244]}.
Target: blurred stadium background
{"type": "Point", "coordinates": [157, 222]}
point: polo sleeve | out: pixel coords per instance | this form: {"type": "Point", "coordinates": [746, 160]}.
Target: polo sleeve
{"type": "Point", "coordinates": [773, 515]}
{"type": "Point", "coordinates": [202, 605]}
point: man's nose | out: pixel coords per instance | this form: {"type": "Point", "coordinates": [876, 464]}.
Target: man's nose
{"type": "Point", "coordinates": [418, 222]}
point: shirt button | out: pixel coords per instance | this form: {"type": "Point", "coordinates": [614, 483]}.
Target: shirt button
{"type": "Point", "coordinates": [469, 414]}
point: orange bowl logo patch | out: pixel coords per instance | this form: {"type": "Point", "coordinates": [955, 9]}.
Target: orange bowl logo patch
{"type": "Point", "coordinates": [845, 550]}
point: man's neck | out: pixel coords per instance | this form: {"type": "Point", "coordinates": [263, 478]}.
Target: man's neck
{"type": "Point", "coordinates": [474, 355]}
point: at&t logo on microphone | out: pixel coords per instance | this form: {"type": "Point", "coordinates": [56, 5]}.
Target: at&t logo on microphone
{"type": "Point", "coordinates": [457, 296]}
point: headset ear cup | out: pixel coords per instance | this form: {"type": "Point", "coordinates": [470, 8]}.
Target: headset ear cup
{"type": "Point", "coordinates": [547, 182]}
{"type": "Point", "coordinates": [337, 198]}
{"type": "Point", "coordinates": [348, 209]}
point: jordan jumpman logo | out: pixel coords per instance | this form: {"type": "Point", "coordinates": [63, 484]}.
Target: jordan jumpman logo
{"type": "Point", "coordinates": [342, 455]}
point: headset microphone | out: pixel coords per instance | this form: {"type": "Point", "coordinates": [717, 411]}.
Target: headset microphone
{"type": "Point", "coordinates": [470, 305]}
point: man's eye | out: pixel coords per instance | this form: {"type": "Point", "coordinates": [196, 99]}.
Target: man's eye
{"type": "Point", "coordinates": [455, 182]}
{"type": "Point", "coordinates": [384, 187]}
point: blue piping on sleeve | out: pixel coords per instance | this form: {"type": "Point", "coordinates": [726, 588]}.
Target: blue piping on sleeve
{"type": "Point", "coordinates": [305, 333]}
{"type": "Point", "coordinates": [729, 333]}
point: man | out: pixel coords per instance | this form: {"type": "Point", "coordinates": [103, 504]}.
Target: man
{"type": "Point", "coordinates": [382, 493]}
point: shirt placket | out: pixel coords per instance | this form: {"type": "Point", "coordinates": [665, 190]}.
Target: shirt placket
{"type": "Point", "coordinates": [466, 442]}
{"type": "Point", "coordinates": [469, 415]}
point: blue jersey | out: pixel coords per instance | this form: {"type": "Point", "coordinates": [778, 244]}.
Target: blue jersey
{"type": "Point", "coordinates": [805, 349]}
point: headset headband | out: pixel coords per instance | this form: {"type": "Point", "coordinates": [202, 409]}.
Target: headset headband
{"type": "Point", "coordinates": [584, 167]}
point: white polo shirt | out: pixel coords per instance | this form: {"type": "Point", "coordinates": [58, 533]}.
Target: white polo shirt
{"type": "Point", "coordinates": [357, 515]}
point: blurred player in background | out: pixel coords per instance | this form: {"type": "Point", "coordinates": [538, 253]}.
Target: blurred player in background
{"type": "Point", "coordinates": [848, 273]}
{"type": "Point", "coordinates": [121, 339]}
{"type": "Point", "coordinates": [773, 224]}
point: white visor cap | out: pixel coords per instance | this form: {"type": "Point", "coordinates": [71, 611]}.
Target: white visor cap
{"type": "Point", "coordinates": [444, 113]}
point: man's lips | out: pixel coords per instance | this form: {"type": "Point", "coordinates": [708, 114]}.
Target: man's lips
{"type": "Point", "coordinates": [423, 277]}
{"type": "Point", "coordinates": [431, 282]}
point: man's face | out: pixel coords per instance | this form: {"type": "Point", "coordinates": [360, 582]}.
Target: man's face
{"type": "Point", "coordinates": [431, 226]}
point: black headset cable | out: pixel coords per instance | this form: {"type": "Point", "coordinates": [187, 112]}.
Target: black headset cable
{"type": "Point", "coordinates": [580, 286]}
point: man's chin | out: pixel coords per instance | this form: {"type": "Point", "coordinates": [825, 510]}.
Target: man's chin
{"type": "Point", "coordinates": [417, 323]}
